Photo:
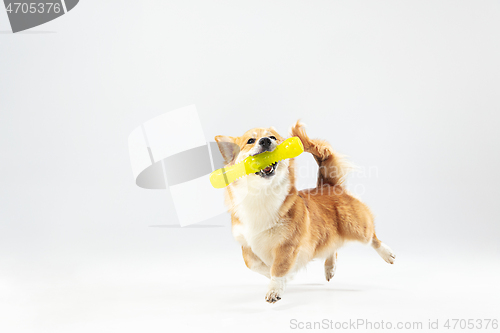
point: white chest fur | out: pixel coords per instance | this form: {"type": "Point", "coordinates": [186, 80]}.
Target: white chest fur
{"type": "Point", "coordinates": [257, 203]}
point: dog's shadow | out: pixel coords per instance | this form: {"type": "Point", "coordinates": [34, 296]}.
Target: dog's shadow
{"type": "Point", "coordinates": [320, 287]}
{"type": "Point", "coordinates": [296, 295]}
{"type": "Point", "coordinates": [311, 292]}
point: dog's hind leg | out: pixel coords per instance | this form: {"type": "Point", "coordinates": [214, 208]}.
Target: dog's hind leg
{"type": "Point", "coordinates": [330, 266]}
{"type": "Point", "coordinates": [383, 250]}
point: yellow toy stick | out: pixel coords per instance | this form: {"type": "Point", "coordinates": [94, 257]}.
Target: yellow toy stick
{"type": "Point", "coordinates": [291, 147]}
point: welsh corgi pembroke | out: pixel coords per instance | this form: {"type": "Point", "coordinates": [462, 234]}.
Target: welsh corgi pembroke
{"type": "Point", "coordinates": [281, 229]}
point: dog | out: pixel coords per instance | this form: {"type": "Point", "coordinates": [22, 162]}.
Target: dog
{"type": "Point", "coordinates": [281, 229]}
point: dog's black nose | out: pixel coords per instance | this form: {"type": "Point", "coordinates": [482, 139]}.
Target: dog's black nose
{"type": "Point", "coordinates": [265, 142]}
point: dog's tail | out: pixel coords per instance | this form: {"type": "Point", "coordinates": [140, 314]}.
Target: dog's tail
{"type": "Point", "coordinates": [333, 167]}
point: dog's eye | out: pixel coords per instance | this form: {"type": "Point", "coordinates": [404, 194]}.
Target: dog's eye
{"type": "Point", "coordinates": [273, 137]}
{"type": "Point", "coordinates": [250, 141]}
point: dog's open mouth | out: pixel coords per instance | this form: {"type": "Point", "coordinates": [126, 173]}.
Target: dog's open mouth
{"type": "Point", "coordinates": [269, 171]}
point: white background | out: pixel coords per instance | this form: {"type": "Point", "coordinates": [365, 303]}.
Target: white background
{"type": "Point", "coordinates": [409, 88]}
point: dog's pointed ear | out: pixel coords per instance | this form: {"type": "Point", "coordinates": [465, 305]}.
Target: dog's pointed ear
{"type": "Point", "coordinates": [228, 147]}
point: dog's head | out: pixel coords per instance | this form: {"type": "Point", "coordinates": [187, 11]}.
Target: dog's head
{"type": "Point", "coordinates": [253, 142]}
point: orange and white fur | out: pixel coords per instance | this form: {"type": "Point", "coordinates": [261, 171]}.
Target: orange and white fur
{"type": "Point", "coordinates": [281, 229]}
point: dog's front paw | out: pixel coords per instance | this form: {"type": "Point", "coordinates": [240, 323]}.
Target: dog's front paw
{"type": "Point", "coordinates": [273, 296]}
{"type": "Point", "coordinates": [276, 288]}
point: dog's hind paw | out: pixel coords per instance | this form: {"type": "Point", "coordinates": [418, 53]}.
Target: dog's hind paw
{"type": "Point", "coordinates": [386, 253]}
{"type": "Point", "coordinates": [329, 272]}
